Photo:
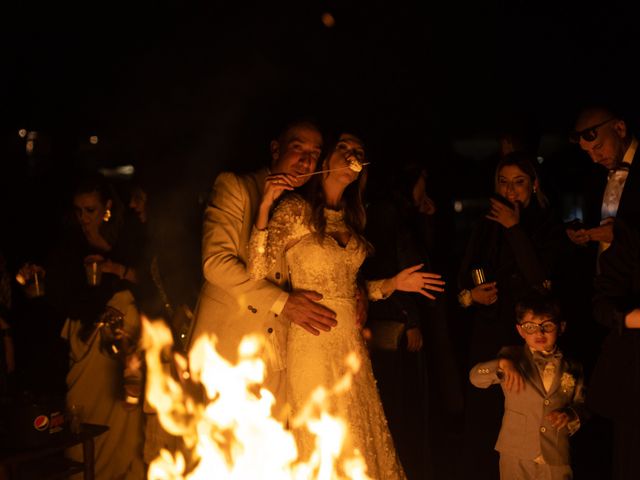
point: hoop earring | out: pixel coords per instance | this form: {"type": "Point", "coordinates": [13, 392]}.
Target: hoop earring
{"type": "Point", "coordinates": [107, 215]}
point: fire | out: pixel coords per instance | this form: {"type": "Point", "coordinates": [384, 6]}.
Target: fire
{"type": "Point", "coordinates": [224, 417]}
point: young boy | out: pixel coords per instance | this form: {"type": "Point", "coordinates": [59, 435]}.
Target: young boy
{"type": "Point", "coordinates": [544, 396]}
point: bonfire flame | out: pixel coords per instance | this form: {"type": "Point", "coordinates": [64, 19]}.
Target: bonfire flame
{"type": "Point", "coordinates": [223, 416]}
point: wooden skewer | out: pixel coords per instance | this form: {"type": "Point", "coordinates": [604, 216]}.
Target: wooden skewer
{"type": "Point", "coordinates": [328, 170]}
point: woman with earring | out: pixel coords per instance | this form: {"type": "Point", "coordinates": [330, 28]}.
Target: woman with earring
{"type": "Point", "coordinates": [101, 327]}
{"type": "Point", "coordinates": [102, 221]}
{"type": "Point", "coordinates": [321, 235]}
{"type": "Point", "coordinates": [516, 247]}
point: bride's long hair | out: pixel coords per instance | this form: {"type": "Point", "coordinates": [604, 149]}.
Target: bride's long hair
{"type": "Point", "coordinates": [352, 201]}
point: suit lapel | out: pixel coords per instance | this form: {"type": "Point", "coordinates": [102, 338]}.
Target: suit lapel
{"type": "Point", "coordinates": [255, 186]}
{"type": "Point", "coordinates": [253, 183]}
{"type": "Point", "coordinates": [562, 368]}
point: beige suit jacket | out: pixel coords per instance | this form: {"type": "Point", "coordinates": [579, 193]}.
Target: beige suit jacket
{"type": "Point", "coordinates": [231, 305]}
{"type": "Point", "coordinates": [525, 432]}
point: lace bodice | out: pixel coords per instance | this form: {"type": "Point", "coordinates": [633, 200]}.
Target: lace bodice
{"type": "Point", "coordinates": [321, 265]}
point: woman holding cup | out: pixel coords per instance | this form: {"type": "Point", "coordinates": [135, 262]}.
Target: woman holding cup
{"type": "Point", "coordinates": [89, 277]}
{"type": "Point", "coordinates": [514, 248]}
{"type": "Point", "coordinates": [31, 277]}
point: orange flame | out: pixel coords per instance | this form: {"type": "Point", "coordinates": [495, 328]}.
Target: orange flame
{"type": "Point", "coordinates": [223, 416]}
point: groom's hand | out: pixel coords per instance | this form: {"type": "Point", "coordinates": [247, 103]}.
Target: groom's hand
{"type": "Point", "coordinates": [301, 308]}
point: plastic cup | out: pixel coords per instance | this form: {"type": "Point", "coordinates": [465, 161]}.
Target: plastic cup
{"type": "Point", "coordinates": [76, 414]}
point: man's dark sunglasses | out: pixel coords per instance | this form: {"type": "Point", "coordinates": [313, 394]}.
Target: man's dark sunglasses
{"type": "Point", "coordinates": [588, 134]}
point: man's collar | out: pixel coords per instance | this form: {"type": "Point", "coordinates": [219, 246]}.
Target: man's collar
{"type": "Point", "coordinates": [631, 151]}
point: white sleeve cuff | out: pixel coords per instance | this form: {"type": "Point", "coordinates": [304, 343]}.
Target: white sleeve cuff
{"type": "Point", "coordinates": [278, 305]}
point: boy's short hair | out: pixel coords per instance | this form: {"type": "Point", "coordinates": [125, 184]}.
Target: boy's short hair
{"type": "Point", "coordinates": [540, 305]}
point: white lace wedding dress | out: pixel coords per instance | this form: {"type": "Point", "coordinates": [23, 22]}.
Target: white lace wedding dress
{"type": "Point", "coordinates": [330, 269]}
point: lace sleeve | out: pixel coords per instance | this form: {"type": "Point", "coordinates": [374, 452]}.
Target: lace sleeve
{"type": "Point", "coordinates": [286, 225]}
{"type": "Point", "coordinates": [374, 289]}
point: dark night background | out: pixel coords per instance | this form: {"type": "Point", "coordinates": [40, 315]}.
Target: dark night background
{"type": "Point", "coordinates": [184, 89]}
{"type": "Point", "coordinates": [181, 90]}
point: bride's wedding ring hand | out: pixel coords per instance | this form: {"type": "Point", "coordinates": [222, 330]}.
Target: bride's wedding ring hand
{"type": "Point", "coordinates": [302, 308]}
{"type": "Point", "coordinates": [276, 184]}
{"type": "Point", "coordinates": [412, 280]}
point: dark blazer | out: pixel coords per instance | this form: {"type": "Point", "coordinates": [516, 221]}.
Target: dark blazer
{"type": "Point", "coordinates": [629, 208]}
{"type": "Point", "coordinates": [402, 237]}
{"type": "Point", "coordinates": [398, 237]}
{"type": "Point", "coordinates": [615, 383]}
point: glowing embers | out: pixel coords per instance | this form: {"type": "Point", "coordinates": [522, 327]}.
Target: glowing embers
{"type": "Point", "coordinates": [223, 416]}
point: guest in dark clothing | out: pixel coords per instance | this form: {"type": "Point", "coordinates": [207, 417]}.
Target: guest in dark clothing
{"type": "Point", "coordinates": [97, 231]}
{"type": "Point", "coordinates": [100, 231]}
{"type": "Point", "coordinates": [605, 135]}
{"type": "Point", "coordinates": [40, 354]}
{"type": "Point", "coordinates": [615, 384]}
{"type": "Point", "coordinates": [403, 327]}
{"type": "Point", "coordinates": [100, 381]}
{"type": "Point", "coordinates": [167, 289]}
{"type": "Point", "coordinates": [169, 277]}
{"type": "Point", "coordinates": [7, 352]}
{"type": "Point", "coordinates": [101, 323]}
{"type": "Point", "coordinates": [611, 190]}
{"type": "Point", "coordinates": [518, 246]}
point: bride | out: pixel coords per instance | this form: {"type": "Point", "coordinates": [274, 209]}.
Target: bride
{"type": "Point", "coordinates": [321, 237]}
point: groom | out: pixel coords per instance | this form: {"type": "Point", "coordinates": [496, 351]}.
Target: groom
{"type": "Point", "coordinates": [231, 305]}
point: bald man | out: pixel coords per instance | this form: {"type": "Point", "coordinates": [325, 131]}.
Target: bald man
{"type": "Point", "coordinates": [606, 138]}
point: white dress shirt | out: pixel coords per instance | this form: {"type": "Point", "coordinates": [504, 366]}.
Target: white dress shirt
{"type": "Point", "coordinates": [613, 191]}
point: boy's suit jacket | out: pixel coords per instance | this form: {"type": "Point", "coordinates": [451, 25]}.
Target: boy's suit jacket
{"type": "Point", "coordinates": [231, 304]}
{"type": "Point", "coordinates": [525, 432]}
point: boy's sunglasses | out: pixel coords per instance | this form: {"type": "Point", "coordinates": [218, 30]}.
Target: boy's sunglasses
{"type": "Point", "coordinates": [588, 134]}
{"type": "Point", "coordinates": [544, 327]}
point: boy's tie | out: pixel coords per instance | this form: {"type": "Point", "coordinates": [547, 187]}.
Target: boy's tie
{"type": "Point", "coordinates": [547, 367]}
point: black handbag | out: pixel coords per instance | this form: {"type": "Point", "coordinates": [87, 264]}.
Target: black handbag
{"type": "Point", "coordinates": [386, 334]}
{"type": "Point", "coordinates": [388, 320]}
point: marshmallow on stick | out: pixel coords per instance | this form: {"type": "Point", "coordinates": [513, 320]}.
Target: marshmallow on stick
{"type": "Point", "coordinates": [354, 165]}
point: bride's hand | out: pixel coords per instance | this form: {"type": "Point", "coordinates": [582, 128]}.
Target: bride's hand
{"type": "Point", "coordinates": [412, 280]}
{"type": "Point", "coordinates": [274, 186]}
